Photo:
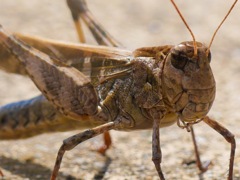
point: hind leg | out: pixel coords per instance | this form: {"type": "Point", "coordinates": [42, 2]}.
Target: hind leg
{"type": "Point", "coordinates": [81, 13]}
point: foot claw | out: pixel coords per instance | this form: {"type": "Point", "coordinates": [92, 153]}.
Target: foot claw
{"type": "Point", "coordinates": [102, 150]}
{"type": "Point", "coordinates": [204, 166]}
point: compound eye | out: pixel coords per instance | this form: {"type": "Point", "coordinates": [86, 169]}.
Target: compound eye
{"type": "Point", "coordinates": [178, 60]}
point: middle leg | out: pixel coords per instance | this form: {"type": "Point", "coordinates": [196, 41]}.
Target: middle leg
{"type": "Point", "coordinates": [80, 12]}
{"type": "Point", "coordinates": [203, 167]}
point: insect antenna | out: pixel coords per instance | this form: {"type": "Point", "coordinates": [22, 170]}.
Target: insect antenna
{"type": "Point", "coordinates": [186, 24]}
{"type": "Point", "coordinates": [231, 8]}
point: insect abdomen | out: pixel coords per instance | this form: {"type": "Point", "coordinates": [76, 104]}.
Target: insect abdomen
{"type": "Point", "coordinates": [35, 116]}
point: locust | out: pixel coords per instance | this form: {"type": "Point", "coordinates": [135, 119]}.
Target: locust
{"type": "Point", "coordinates": [105, 87]}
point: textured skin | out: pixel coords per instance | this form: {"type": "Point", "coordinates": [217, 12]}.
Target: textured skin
{"type": "Point", "coordinates": [132, 89]}
{"type": "Point", "coordinates": [191, 88]}
{"type": "Point", "coordinates": [67, 88]}
{"type": "Point", "coordinates": [137, 95]}
{"type": "Point", "coordinates": [18, 115]}
{"type": "Point", "coordinates": [35, 116]}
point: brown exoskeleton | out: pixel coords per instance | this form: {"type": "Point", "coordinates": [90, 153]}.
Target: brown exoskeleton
{"type": "Point", "coordinates": [109, 87]}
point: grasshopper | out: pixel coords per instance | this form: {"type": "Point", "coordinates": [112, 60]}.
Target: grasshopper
{"type": "Point", "coordinates": [105, 88]}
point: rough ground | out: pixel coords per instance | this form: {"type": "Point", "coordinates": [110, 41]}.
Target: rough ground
{"type": "Point", "coordinates": [135, 23]}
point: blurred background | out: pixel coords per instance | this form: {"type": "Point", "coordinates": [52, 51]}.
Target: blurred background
{"type": "Point", "coordinates": [135, 23]}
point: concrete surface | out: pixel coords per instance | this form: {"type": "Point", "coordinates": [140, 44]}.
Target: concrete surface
{"type": "Point", "coordinates": [135, 23]}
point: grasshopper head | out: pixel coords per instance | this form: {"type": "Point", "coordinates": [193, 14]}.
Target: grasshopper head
{"type": "Point", "coordinates": [188, 82]}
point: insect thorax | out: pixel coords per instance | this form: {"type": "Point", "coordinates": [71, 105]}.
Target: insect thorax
{"type": "Point", "coordinates": [131, 97]}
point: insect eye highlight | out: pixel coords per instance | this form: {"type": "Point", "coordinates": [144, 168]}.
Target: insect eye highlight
{"type": "Point", "coordinates": [178, 60]}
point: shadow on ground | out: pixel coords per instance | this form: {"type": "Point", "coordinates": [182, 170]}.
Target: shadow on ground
{"type": "Point", "coordinates": [35, 171]}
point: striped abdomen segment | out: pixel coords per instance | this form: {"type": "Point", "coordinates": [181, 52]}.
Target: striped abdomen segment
{"type": "Point", "coordinates": [35, 116]}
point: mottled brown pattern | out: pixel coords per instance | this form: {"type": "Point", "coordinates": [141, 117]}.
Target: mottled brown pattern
{"type": "Point", "coordinates": [61, 84]}
{"type": "Point", "coordinates": [151, 87]}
